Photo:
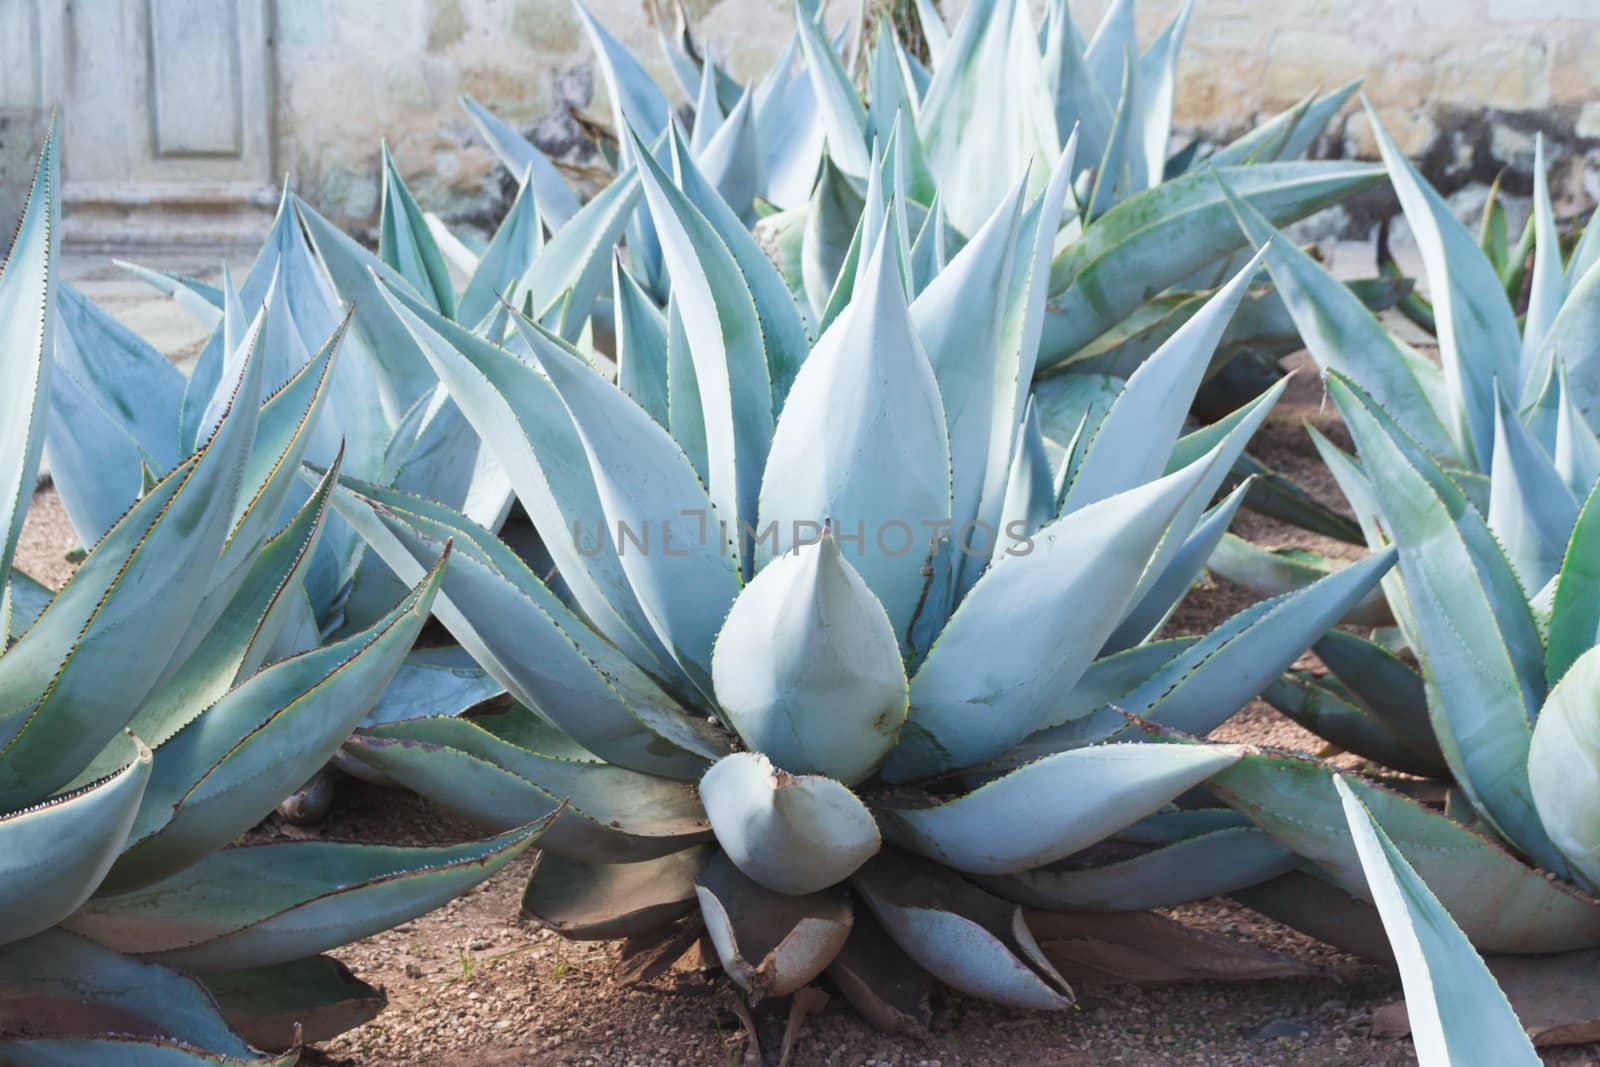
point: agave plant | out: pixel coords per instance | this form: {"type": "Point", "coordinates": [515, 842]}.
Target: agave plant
{"type": "Point", "coordinates": [1504, 709]}
{"type": "Point", "coordinates": [160, 704]}
{"type": "Point", "coordinates": [769, 654]}
{"type": "Point", "coordinates": [1511, 398]}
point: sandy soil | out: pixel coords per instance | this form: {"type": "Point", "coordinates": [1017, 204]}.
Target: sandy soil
{"type": "Point", "coordinates": [470, 984]}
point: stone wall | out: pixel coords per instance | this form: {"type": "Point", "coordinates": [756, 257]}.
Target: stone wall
{"type": "Point", "coordinates": [1463, 84]}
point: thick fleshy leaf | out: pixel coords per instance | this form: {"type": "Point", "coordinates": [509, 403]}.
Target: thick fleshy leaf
{"type": "Point", "coordinates": [1198, 689]}
{"type": "Point", "coordinates": [530, 641]}
{"type": "Point", "coordinates": [114, 404]}
{"type": "Point", "coordinates": [1135, 438]}
{"type": "Point", "coordinates": [723, 330]}
{"type": "Point", "coordinates": [1328, 708]}
{"type": "Point", "coordinates": [866, 388]}
{"type": "Point", "coordinates": [1343, 335]}
{"type": "Point", "coordinates": [880, 981]}
{"type": "Point", "coordinates": [981, 688]}
{"type": "Point", "coordinates": [842, 116]}
{"type": "Point", "coordinates": [1195, 868]}
{"type": "Point", "coordinates": [1564, 766]}
{"type": "Point", "coordinates": [832, 218]}
{"type": "Point", "coordinates": [988, 100]}
{"type": "Point", "coordinates": [1278, 571]}
{"type": "Point", "coordinates": [27, 346]}
{"type": "Point", "coordinates": [1531, 510]}
{"type": "Point", "coordinates": [406, 245]}
{"type": "Point", "coordinates": [644, 480]}
{"type": "Point", "coordinates": [783, 331]}
{"type": "Point", "coordinates": [604, 901]}
{"type": "Point", "coordinates": [1093, 793]}
{"type": "Point", "coordinates": [769, 943]}
{"type": "Point", "coordinates": [66, 1000]}
{"type": "Point", "coordinates": [1163, 234]}
{"type": "Point", "coordinates": [1503, 904]}
{"type": "Point", "coordinates": [121, 615]}
{"type": "Point", "coordinates": [557, 202]}
{"type": "Point", "coordinates": [1549, 288]}
{"type": "Point", "coordinates": [226, 771]}
{"type": "Point", "coordinates": [1478, 339]}
{"type": "Point", "coordinates": [807, 668]}
{"type": "Point", "coordinates": [1574, 625]}
{"type": "Point", "coordinates": [1458, 1013]}
{"type": "Point", "coordinates": [963, 346]}
{"type": "Point", "coordinates": [611, 815]}
{"type": "Point", "coordinates": [434, 681]}
{"type": "Point", "coordinates": [237, 644]}
{"type": "Point", "coordinates": [401, 375]}
{"type": "Point", "coordinates": [53, 855]}
{"type": "Point", "coordinates": [256, 905]}
{"type": "Point", "coordinates": [793, 834]}
{"type": "Point", "coordinates": [641, 346]}
{"type": "Point", "coordinates": [312, 1000]}
{"type": "Point", "coordinates": [958, 933]}
{"type": "Point", "coordinates": [1388, 685]}
{"type": "Point", "coordinates": [546, 463]}
{"type": "Point", "coordinates": [511, 252]}
{"type": "Point", "coordinates": [1150, 614]}
{"type": "Point", "coordinates": [1479, 651]}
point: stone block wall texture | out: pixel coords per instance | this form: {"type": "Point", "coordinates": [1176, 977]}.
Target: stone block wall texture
{"type": "Point", "coordinates": [1463, 84]}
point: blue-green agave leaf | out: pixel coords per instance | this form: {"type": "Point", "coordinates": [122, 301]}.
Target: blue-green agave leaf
{"type": "Point", "coordinates": [645, 481]}
{"type": "Point", "coordinates": [604, 901]}
{"type": "Point", "coordinates": [406, 245]}
{"type": "Point", "coordinates": [807, 667]}
{"type": "Point", "coordinates": [1094, 792]}
{"type": "Point", "coordinates": [27, 346]}
{"type": "Point", "coordinates": [1531, 510]}
{"type": "Point", "coordinates": [1478, 338]}
{"type": "Point", "coordinates": [1486, 679]}
{"type": "Point", "coordinates": [1134, 440]}
{"type": "Point", "coordinates": [771, 944]}
{"type": "Point", "coordinates": [121, 615]}
{"type": "Point", "coordinates": [1564, 766]}
{"type": "Point", "coordinates": [603, 814]}
{"type": "Point", "coordinates": [557, 202]}
{"type": "Point", "coordinates": [969, 940]}
{"type": "Point", "coordinates": [1458, 1013]}
{"type": "Point", "coordinates": [114, 402]}
{"type": "Point", "coordinates": [641, 346]}
{"type": "Point", "coordinates": [529, 641]}
{"type": "Point", "coordinates": [1574, 625]}
{"type": "Point", "coordinates": [843, 118]}
{"type": "Point", "coordinates": [1165, 233]}
{"type": "Point", "coordinates": [53, 855]}
{"type": "Point", "coordinates": [1503, 904]}
{"type": "Point", "coordinates": [862, 442]}
{"type": "Point", "coordinates": [1343, 335]}
{"type": "Point", "coordinates": [87, 1004]}
{"type": "Point", "coordinates": [1173, 583]}
{"type": "Point", "coordinates": [256, 905]}
{"type": "Point", "coordinates": [986, 684]}
{"type": "Point", "coordinates": [516, 244]}
{"type": "Point", "coordinates": [793, 834]}
{"type": "Point", "coordinates": [226, 771]}
{"type": "Point", "coordinates": [1194, 868]}
{"type": "Point", "coordinates": [1548, 290]}
{"type": "Point", "coordinates": [547, 465]}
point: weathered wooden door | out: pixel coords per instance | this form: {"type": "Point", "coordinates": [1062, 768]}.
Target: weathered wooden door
{"type": "Point", "coordinates": [166, 112]}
